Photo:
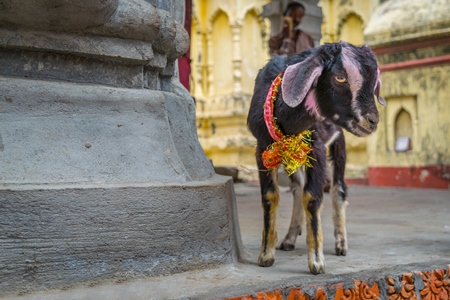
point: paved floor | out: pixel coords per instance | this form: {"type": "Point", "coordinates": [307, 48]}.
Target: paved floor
{"type": "Point", "coordinates": [390, 231]}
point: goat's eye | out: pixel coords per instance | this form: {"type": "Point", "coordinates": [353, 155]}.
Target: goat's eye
{"type": "Point", "coordinates": [340, 79]}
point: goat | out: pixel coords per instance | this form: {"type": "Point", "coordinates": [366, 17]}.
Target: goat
{"type": "Point", "coordinates": [323, 89]}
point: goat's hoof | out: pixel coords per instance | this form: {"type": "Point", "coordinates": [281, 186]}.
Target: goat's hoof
{"type": "Point", "coordinates": [317, 269]}
{"type": "Point", "coordinates": [341, 248]}
{"type": "Point", "coordinates": [341, 251]}
{"type": "Point", "coordinates": [266, 260]}
{"type": "Point", "coordinates": [267, 263]}
{"type": "Point", "coordinates": [287, 245]}
{"type": "Point", "coordinates": [317, 266]}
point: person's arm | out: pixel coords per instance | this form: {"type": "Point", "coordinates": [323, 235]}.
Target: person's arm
{"type": "Point", "coordinates": [283, 42]}
{"type": "Point", "coordinates": [279, 44]}
{"type": "Point", "coordinates": [275, 43]}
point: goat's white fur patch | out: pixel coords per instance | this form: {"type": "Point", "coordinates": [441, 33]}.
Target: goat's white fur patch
{"type": "Point", "coordinates": [353, 129]}
{"type": "Point", "coordinates": [361, 119]}
{"type": "Point", "coordinates": [355, 79]}
{"type": "Point", "coordinates": [332, 139]}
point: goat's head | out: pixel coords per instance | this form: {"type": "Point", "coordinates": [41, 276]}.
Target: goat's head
{"type": "Point", "coordinates": [338, 82]}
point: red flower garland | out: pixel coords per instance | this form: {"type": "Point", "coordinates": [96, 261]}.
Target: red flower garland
{"type": "Point", "coordinates": [291, 151]}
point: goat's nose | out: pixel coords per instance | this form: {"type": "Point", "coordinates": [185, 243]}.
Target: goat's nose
{"type": "Point", "coordinates": [373, 120]}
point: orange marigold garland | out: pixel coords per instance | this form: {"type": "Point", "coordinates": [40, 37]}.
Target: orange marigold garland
{"type": "Point", "coordinates": [290, 151]}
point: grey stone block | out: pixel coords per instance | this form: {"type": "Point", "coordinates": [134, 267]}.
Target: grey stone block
{"type": "Point", "coordinates": [61, 236]}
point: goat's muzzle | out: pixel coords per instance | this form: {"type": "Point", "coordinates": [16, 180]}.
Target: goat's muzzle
{"type": "Point", "coordinates": [364, 125]}
{"type": "Point", "coordinates": [372, 121]}
{"type": "Point", "coordinates": [368, 124]}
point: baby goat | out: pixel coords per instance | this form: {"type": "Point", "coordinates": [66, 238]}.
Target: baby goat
{"type": "Point", "coordinates": [322, 89]}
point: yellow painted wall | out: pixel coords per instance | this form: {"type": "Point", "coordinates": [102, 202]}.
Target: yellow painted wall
{"type": "Point", "coordinates": [423, 94]}
{"type": "Point", "coordinates": [341, 15]}
{"type": "Point", "coordinates": [411, 39]}
{"type": "Point", "coordinates": [352, 30]}
{"type": "Point", "coordinates": [253, 57]}
{"type": "Point", "coordinates": [221, 54]}
{"type": "Point", "coordinates": [228, 47]}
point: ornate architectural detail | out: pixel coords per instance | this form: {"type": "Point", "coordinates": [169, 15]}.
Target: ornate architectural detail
{"type": "Point", "coordinates": [429, 285]}
{"type": "Point", "coordinates": [437, 285]}
{"type": "Point", "coordinates": [237, 58]}
{"type": "Point", "coordinates": [403, 289]}
{"type": "Point", "coordinates": [366, 292]}
{"type": "Point", "coordinates": [297, 294]}
{"type": "Point", "coordinates": [348, 294]}
{"type": "Point", "coordinates": [361, 290]}
{"type": "Point", "coordinates": [320, 295]}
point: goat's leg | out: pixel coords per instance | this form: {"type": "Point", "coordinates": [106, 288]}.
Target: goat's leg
{"type": "Point", "coordinates": [338, 194]}
{"type": "Point", "coordinates": [298, 213]}
{"type": "Point", "coordinates": [312, 203]}
{"type": "Point", "coordinates": [270, 199]}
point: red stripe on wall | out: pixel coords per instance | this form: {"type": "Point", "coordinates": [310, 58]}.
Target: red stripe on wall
{"type": "Point", "coordinates": [357, 181]}
{"type": "Point", "coordinates": [437, 177]}
{"type": "Point", "coordinates": [412, 45]}
{"type": "Point", "coordinates": [416, 63]}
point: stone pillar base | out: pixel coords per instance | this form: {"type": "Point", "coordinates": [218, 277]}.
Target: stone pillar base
{"type": "Point", "coordinates": [103, 184]}
{"type": "Point", "coordinates": [61, 236]}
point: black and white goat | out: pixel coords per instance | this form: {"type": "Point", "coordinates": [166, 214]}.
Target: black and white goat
{"type": "Point", "coordinates": [323, 89]}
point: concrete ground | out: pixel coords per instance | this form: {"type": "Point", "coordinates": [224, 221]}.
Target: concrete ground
{"type": "Point", "coordinates": [390, 230]}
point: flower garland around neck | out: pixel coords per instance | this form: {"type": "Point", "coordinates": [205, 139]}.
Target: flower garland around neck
{"type": "Point", "coordinates": [290, 151]}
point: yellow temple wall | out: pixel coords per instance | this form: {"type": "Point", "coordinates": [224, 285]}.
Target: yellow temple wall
{"type": "Point", "coordinates": [423, 96]}
{"type": "Point", "coordinates": [228, 47]}
{"type": "Point", "coordinates": [412, 41]}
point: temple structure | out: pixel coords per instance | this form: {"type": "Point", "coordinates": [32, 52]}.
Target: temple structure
{"type": "Point", "coordinates": [412, 43]}
{"type": "Point", "coordinates": [417, 45]}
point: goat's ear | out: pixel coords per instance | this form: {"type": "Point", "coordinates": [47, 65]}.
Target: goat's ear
{"type": "Point", "coordinates": [377, 93]}
{"type": "Point", "coordinates": [299, 79]}
{"type": "Point", "coordinates": [378, 89]}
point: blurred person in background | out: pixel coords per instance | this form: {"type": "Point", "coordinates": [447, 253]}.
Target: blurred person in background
{"type": "Point", "coordinates": [291, 39]}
